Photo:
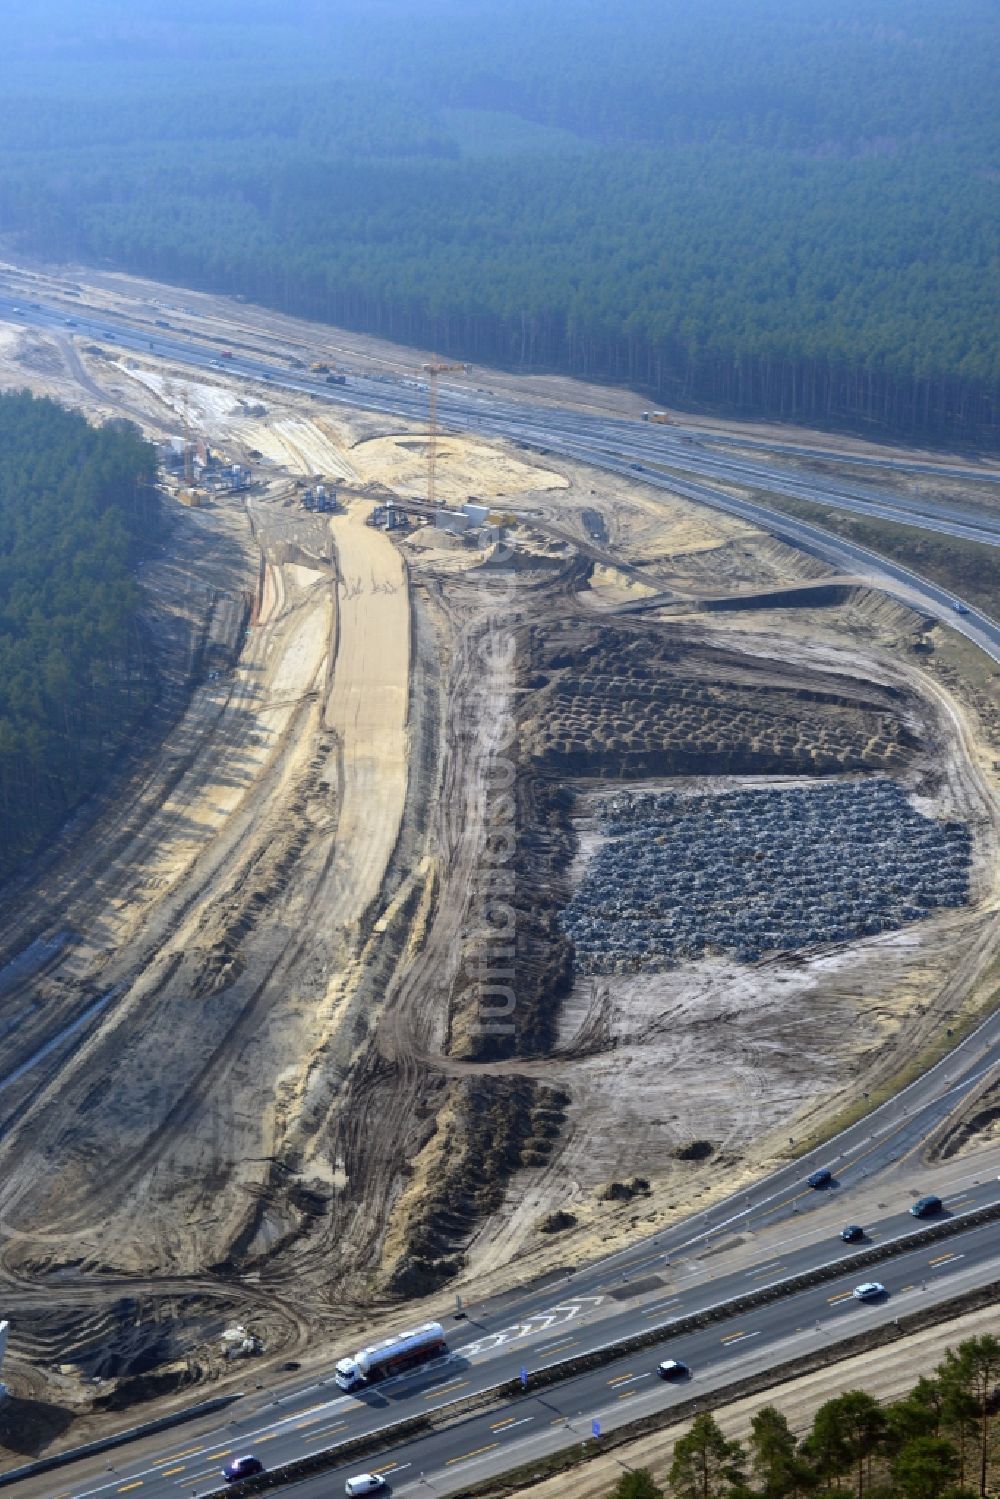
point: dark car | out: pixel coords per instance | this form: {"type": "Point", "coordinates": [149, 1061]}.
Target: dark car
{"type": "Point", "coordinates": [926, 1207]}
{"type": "Point", "coordinates": [821, 1178]}
{"type": "Point", "coordinates": [852, 1234]}
{"type": "Point", "coordinates": [673, 1368]}
{"type": "Point", "coordinates": [242, 1467]}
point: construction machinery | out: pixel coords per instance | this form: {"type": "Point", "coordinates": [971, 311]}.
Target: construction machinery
{"type": "Point", "coordinates": [662, 417]}
{"type": "Point", "coordinates": [434, 370]}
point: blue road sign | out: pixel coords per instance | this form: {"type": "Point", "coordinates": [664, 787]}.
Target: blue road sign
{"type": "Point", "coordinates": [524, 1378]}
{"type": "Point", "coordinates": [595, 1427]}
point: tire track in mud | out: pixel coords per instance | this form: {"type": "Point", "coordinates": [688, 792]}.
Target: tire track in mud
{"type": "Point", "coordinates": [195, 893]}
{"type": "Point", "coordinates": [193, 888]}
{"type": "Point", "coordinates": [392, 1102]}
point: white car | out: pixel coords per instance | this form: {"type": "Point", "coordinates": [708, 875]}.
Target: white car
{"type": "Point", "coordinates": [364, 1483]}
{"type": "Point", "coordinates": [869, 1290]}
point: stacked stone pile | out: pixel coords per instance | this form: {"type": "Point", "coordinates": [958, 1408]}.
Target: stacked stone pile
{"type": "Point", "coordinates": [759, 871]}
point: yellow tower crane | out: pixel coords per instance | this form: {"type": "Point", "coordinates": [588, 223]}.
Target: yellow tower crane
{"type": "Point", "coordinates": [433, 370]}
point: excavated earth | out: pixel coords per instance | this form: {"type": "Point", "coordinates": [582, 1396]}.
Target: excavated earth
{"type": "Point", "coordinates": [294, 1031]}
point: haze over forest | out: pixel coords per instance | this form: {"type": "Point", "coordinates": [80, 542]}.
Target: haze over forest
{"type": "Point", "coordinates": [782, 207]}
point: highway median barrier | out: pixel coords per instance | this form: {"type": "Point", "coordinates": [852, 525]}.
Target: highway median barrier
{"type": "Point", "coordinates": [374, 1443]}
{"type": "Point", "coordinates": [516, 1479]}
{"type": "Point", "coordinates": [119, 1439]}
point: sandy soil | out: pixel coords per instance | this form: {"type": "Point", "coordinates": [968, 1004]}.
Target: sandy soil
{"type": "Point", "coordinates": [466, 469]}
{"type": "Point", "coordinates": [272, 916]}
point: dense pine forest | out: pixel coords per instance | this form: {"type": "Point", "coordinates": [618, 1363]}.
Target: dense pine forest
{"type": "Point", "coordinates": [77, 505]}
{"type": "Point", "coordinates": [936, 1442]}
{"type": "Point", "coordinates": [779, 207]}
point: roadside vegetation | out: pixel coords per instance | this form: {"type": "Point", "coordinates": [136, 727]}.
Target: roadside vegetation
{"type": "Point", "coordinates": [772, 209]}
{"type": "Point", "coordinates": [76, 505]}
{"type": "Point", "coordinates": [936, 1443]}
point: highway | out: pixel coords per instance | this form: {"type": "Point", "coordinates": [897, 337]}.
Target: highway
{"type": "Point", "coordinates": [790, 1228]}
{"type": "Point", "coordinates": [671, 458]}
{"type": "Point", "coordinates": [726, 1349]}
{"type": "Point", "coordinates": [785, 1227]}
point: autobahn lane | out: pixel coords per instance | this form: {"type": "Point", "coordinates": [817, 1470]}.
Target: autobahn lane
{"type": "Point", "coordinates": [815, 1316]}
{"type": "Point", "coordinates": [490, 416]}
{"type": "Point", "coordinates": [860, 1153]}
{"type": "Point", "coordinates": [847, 555]}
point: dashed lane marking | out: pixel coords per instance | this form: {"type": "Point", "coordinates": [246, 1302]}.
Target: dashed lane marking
{"type": "Point", "coordinates": [325, 1431]}
{"type": "Point", "coordinates": [176, 1456]}
{"type": "Point", "coordinates": [740, 1337]}
{"type": "Point", "coordinates": [621, 1378]}
{"type": "Point", "coordinates": [445, 1389]}
{"type": "Point", "coordinates": [661, 1306]}
{"type": "Point", "coordinates": [477, 1452]}
{"type": "Point", "coordinates": [169, 1472]}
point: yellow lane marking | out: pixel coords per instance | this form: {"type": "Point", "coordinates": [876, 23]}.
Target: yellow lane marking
{"type": "Point", "coordinates": [619, 1378]}
{"type": "Point", "coordinates": [960, 1203]}
{"type": "Point", "coordinates": [176, 1456]}
{"type": "Point", "coordinates": [732, 1336]}
{"type": "Point", "coordinates": [325, 1431]}
{"type": "Point", "coordinates": [213, 1455]}
{"type": "Point", "coordinates": [169, 1472]}
{"type": "Point", "coordinates": [501, 1424]}
{"type": "Point", "coordinates": [466, 1455]}
{"type": "Point", "coordinates": [445, 1389]}
{"type": "Point", "coordinates": [942, 1258]}
{"type": "Point", "coordinates": [269, 1438]}
{"type": "Point", "coordinates": [905, 1288]}
{"type": "Point", "coordinates": [126, 1486]}
{"type": "Point", "coordinates": [626, 1394]}
{"type": "Point", "coordinates": [774, 1270]}
{"type": "Point", "coordinates": [840, 1296]}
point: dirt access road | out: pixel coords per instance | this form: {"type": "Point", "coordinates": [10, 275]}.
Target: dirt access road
{"type": "Point", "coordinates": [242, 1081]}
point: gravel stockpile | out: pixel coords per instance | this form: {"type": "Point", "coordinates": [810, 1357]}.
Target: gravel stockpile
{"type": "Point", "coordinates": [759, 871]}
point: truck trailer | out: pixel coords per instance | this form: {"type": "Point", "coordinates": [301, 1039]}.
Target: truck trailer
{"type": "Point", "coordinates": [391, 1356]}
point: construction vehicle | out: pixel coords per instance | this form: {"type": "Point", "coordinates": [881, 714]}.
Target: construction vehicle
{"type": "Point", "coordinates": [434, 370]}
{"type": "Point", "coordinates": [319, 368]}
{"type": "Point", "coordinates": [656, 416]}
{"type": "Point", "coordinates": [392, 1356]}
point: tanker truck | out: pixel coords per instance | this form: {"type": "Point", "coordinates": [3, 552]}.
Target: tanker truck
{"type": "Point", "coordinates": [391, 1356]}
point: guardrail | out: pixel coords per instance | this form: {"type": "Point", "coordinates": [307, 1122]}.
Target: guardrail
{"type": "Point", "coordinates": [105, 1444]}
{"type": "Point", "coordinates": [374, 1442]}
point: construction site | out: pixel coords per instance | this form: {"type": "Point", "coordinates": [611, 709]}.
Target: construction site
{"type": "Point", "coordinates": [373, 959]}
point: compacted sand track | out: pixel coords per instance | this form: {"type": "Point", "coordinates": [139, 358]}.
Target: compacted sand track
{"type": "Point", "coordinates": [239, 1065]}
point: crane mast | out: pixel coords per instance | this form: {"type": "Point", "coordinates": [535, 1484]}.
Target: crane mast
{"type": "Point", "coordinates": [433, 371]}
